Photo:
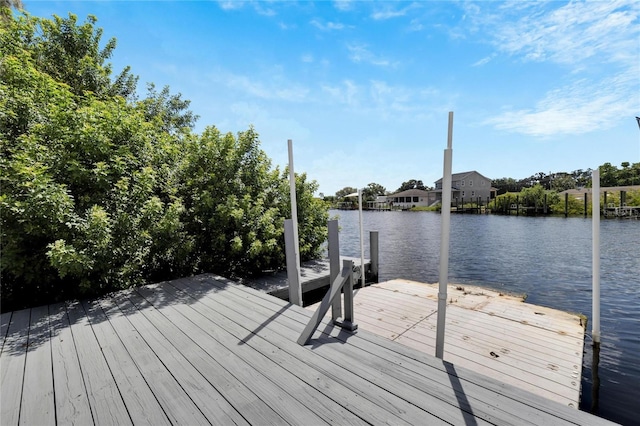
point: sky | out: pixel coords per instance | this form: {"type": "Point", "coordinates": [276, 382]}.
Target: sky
{"type": "Point", "coordinates": [364, 88]}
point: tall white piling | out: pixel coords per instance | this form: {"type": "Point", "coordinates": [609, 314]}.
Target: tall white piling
{"type": "Point", "coordinates": [297, 292]}
{"type": "Point", "coordinates": [445, 218]}
{"type": "Point", "coordinates": [595, 255]}
{"type": "Point", "coordinates": [361, 238]}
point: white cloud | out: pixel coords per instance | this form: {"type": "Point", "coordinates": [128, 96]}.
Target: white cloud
{"type": "Point", "coordinates": [569, 34]}
{"type": "Point", "coordinates": [415, 25]}
{"type": "Point", "coordinates": [592, 46]}
{"type": "Point", "coordinates": [346, 93]}
{"type": "Point", "coordinates": [360, 53]}
{"type": "Point", "coordinates": [382, 101]}
{"type": "Point", "coordinates": [258, 6]}
{"type": "Point", "coordinates": [307, 58]}
{"type": "Point", "coordinates": [231, 5]}
{"type": "Point", "coordinates": [343, 5]}
{"type": "Point", "coordinates": [582, 107]}
{"type": "Point", "coordinates": [275, 89]}
{"type": "Point", "coordinates": [390, 13]}
{"type": "Point", "coordinates": [483, 61]}
{"type": "Point", "coordinates": [264, 11]}
{"type": "Point", "coordinates": [329, 26]}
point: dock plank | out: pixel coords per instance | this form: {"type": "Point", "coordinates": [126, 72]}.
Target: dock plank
{"type": "Point", "coordinates": [71, 397]}
{"type": "Point", "coordinates": [38, 373]}
{"type": "Point", "coordinates": [209, 366]}
{"type": "Point", "coordinates": [488, 403]}
{"type": "Point", "coordinates": [285, 370]}
{"type": "Point", "coordinates": [519, 399]}
{"type": "Point", "coordinates": [171, 378]}
{"type": "Point", "coordinates": [138, 397]}
{"type": "Point", "coordinates": [12, 361]}
{"type": "Point", "coordinates": [264, 392]}
{"type": "Point", "coordinates": [533, 356]}
{"type": "Point", "coordinates": [5, 319]}
{"type": "Point", "coordinates": [371, 376]}
{"type": "Point", "coordinates": [401, 410]}
{"type": "Point", "coordinates": [105, 400]}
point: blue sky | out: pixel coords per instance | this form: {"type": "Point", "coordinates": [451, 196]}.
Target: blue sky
{"type": "Point", "coordinates": [364, 88]}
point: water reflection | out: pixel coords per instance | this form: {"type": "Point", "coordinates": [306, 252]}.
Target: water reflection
{"type": "Point", "coordinates": [549, 259]}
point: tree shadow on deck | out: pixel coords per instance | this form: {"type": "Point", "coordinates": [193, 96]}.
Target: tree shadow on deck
{"type": "Point", "coordinates": [28, 329]}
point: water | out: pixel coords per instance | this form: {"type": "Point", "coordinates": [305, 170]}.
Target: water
{"type": "Point", "coordinates": [548, 259]}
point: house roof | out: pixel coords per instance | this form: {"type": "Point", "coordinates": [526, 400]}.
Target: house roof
{"type": "Point", "coordinates": [410, 193]}
{"type": "Point", "coordinates": [460, 176]}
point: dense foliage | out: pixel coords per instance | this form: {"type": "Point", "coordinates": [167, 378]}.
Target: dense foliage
{"type": "Point", "coordinates": [102, 191]}
{"type": "Point", "coordinates": [610, 175]}
{"type": "Point", "coordinates": [532, 201]}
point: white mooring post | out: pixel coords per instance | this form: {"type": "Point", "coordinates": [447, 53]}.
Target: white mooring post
{"type": "Point", "coordinates": [295, 289]}
{"type": "Point", "coordinates": [445, 218]}
{"type": "Point", "coordinates": [361, 238]}
{"type": "Point", "coordinates": [595, 255]}
{"type": "Point", "coordinates": [334, 264]}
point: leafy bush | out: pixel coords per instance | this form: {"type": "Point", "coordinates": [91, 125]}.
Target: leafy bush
{"type": "Point", "coordinates": [100, 191]}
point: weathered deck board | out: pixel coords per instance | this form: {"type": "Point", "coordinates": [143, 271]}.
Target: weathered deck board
{"type": "Point", "coordinates": [323, 388]}
{"type": "Point", "coordinates": [244, 373]}
{"type": "Point", "coordinates": [12, 361]}
{"type": "Point", "coordinates": [251, 366]}
{"type": "Point", "coordinates": [357, 385]}
{"type": "Point", "coordinates": [175, 382]}
{"type": "Point", "coordinates": [536, 348]}
{"type": "Point", "coordinates": [138, 397]}
{"type": "Point", "coordinates": [72, 401]}
{"type": "Point", "coordinates": [404, 356]}
{"type": "Point", "coordinates": [105, 400]}
{"type": "Point", "coordinates": [38, 376]}
{"type": "Point", "coordinates": [5, 319]}
{"type": "Point", "coordinates": [205, 350]}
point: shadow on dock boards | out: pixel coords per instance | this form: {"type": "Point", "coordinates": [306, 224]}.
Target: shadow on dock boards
{"type": "Point", "coordinates": [461, 396]}
{"type": "Point", "coordinates": [264, 324]}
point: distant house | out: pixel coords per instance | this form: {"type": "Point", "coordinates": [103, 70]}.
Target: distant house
{"type": "Point", "coordinates": [409, 198]}
{"type": "Point", "coordinates": [380, 203]}
{"type": "Point", "coordinates": [466, 186]}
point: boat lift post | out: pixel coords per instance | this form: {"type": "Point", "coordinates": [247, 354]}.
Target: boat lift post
{"type": "Point", "coordinates": [359, 195]}
{"type": "Point", "coordinates": [445, 220]}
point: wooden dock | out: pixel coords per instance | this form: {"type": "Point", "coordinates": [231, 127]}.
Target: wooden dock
{"type": "Point", "coordinates": [314, 274]}
{"type": "Point", "coordinates": [204, 350]}
{"type": "Point", "coordinates": [535, 348]}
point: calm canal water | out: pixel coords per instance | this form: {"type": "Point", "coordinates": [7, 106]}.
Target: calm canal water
{"type": "Point", "coordinates": [549, 259]}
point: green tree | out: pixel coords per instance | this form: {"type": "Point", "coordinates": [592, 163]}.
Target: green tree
{"type": "Point", "coordinates": [236, 205]}
{"type": "Point", "coordinates": [82, 208]}
{"type": "Point", "coordinates": [171, 112]}
{"type": "Point", "coordinates": [71, 53]}
{"type": "Point", "coordinates": [504, 185]}
{"type": "Point", "coordinates": [562, 182]}
{"type": "Point", "coordinates": [101, 192]}
{"type": "Point", "coordinates": [344, 192]}
{"type": "Point", "coordinates": [411, 184]}
{"type": "Point", "coordinates": [9, 4]}
{"type": "Point", "coordinates": [534, 197]}
{"type": "Point", "coordinates": [372, 191]}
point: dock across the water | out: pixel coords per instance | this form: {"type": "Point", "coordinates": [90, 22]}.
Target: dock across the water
{"type": "Point", "coordinates": [534, 348]}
